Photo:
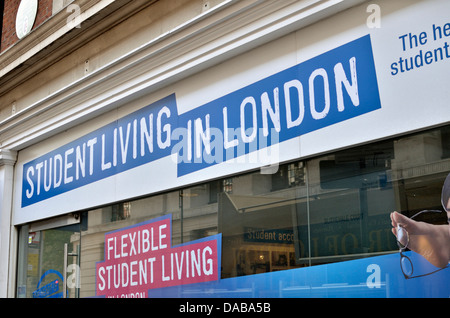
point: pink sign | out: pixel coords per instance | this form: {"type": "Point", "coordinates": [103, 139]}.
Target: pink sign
{"type": "Point", "coordinates": [141, 257]}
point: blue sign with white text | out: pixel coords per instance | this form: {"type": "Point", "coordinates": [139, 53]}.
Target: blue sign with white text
{"type": "Point", "coordinates": [330, 88]}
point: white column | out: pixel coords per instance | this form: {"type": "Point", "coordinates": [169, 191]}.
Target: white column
{"type": "Point", "coordinates": [7, 161]}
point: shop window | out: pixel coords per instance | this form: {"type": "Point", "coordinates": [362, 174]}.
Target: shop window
{"type": "Point", "coordinates": [258, 234]}
{"type": "Point", "coordinates": [120, 211]}
{"type": "Point", "coordinates": [350, 198]}
{"type": "Point", "coordinates": [445, 131]}
{"type": "Point", "coordinates": [326, 209]}
{"type": "Point", "coordinates": [296, 174]}
{"type": "Point", "coordinates": [48, 257]}
{"type": "Point", "coordinates": [228, 185]}
{"type": "Point", "coordinates": [331, 208]}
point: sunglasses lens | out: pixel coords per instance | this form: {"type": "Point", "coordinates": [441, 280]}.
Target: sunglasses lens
{"type": "Point", "coordinates": [406, 266]}
{"type": "Point", "coordinates": [445, 197]}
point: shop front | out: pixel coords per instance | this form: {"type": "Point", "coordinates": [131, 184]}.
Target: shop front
{"type": "Point", "coordinates": [270, 172]}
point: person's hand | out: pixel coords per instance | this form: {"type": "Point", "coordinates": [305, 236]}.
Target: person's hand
{"type": "Point", "coordinates": [430, 241]}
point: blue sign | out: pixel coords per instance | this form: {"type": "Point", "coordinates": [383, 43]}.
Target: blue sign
{"type": "Point", "coordinates": [50, 290]}
{"type": "Point", "coordinates": [330, 88]}
{"type": "Point", "coordinates": [372, 277]}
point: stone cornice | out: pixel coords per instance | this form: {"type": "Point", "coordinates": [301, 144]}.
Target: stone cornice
{"type": "Point", "coordinates": [56, 38]}
{"type": "Point", "coordinates": [7, 157]}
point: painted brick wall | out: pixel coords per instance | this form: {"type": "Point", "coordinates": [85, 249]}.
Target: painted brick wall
{"type": "Point", "coordinates": [9, 36]}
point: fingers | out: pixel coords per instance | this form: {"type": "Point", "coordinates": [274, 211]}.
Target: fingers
{"type": "Point", "coordinates": [400, 219]}
{"type": "Point", "coordinates": [410, 225]}
{"type": "Point", "coordinates": [397, 219]}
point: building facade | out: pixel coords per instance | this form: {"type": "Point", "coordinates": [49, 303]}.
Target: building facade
{"type": "Point", "coordinates": [221, 148]}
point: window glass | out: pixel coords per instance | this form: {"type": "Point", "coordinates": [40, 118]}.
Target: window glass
{"type": "Point", "coordinates": [198, 206]}
{"type": "Point", "coordinates": [48, 258]}
{"type": "Point", "coordinates": [256, 221]}
{"type": "Point", "coordinates": [326, 209]}
{"type": "Point", "coordinates": [350, 198]}
{"type": "Point", "coordinates": [110, 218]}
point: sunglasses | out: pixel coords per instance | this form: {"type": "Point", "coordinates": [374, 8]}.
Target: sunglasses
{"type": "Point", "coordinates": [403, 237]}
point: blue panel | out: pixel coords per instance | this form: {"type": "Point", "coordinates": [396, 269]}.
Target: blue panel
{"type": "Point", "coordinates": [301, 81]}
{"type": "Point", "coordinates": [376, 277]}
{"type": "Point", "coordinates": [330, 88]}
